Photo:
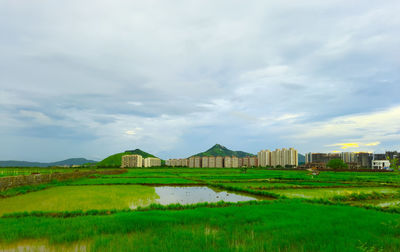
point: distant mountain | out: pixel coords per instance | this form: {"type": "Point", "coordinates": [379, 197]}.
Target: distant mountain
{"type": "Point", "coordinates": [302, 159]}
{"type": "Point", "coordinates": [115, 160]}
{"type": "Point", "coordinates": [219, 150]}
{"type": "Point", "coordinates": [68, 162]}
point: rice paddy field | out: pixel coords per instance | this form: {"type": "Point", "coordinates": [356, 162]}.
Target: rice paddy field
{"type": "Point", "coordinates": [189, 209]}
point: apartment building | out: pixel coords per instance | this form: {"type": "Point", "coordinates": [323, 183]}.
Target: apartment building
{"type": "Point", "coordinates": [197, 162]}
{"type": "Point", "coordinates": [228, 162]}
{"type": "Point", "coordinates": [151, 162]}
{"type": "Point", "coordinates": [129, 161]}
{"type": "Point", "coordinates": [348, 157]}
{"type": "Point", "coordinates": [219, 162]}
{"type": "Point", "coordinates": [279, 157]}
{"type": "Point", "coordinates": [204, 162]}
{"type": "Point", "coordinates": [355, 159]}
{"type": "Point", "coordinates": [211, 162]}
{"type": "Point", "coordinates": [264, 158]}
{"type": "Point", "coordinates": [181, 162]}
{"type": "Point", "coordinates": [191, 162]}
{"type": "Point", "coordinates": [235, 162]}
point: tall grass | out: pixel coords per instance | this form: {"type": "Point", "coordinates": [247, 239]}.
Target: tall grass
{"type": "Point", "coordinates": [287, 225]}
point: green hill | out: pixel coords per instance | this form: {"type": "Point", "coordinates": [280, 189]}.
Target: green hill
{"type": "Point", "coordinates": [219, 150]}
{"type": "Point", "coordinates": [115, 160]}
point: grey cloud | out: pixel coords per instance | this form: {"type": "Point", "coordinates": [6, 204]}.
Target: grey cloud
{"type": "Point", "coordinates": [199, 70]}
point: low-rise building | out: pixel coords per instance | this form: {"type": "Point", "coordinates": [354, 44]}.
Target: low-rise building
{"type": "Point", "coordinates": [381, 164]}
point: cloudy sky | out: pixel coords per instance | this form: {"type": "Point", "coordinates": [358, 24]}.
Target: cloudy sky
{"type": "Point", "coordinates": [93, 78]}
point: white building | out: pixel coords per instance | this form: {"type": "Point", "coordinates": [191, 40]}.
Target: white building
{"type": "Point", "coordinates": [278, 157]}
{"type": "Point", "coordinates": [381, 164]}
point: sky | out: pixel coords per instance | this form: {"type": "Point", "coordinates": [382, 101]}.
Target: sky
{"type": "Point", "coordinates": [173, 78]}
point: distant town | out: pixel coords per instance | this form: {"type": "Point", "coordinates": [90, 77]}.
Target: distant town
{"type": "Point", "coordinates": [279, 158]}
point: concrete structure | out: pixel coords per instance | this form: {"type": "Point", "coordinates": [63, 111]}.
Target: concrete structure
{"type": "Point", "coordinates": [240, 162]}
{"type": "Point", "coordinates": [182, 162]}
{"type": "Point", "coordinates": [129, 161]}
{"type": "Point", "coordinates": [381, 164]}
{"type": "Point", "coordinates": [219, 162]}
{"type": "Point", "coordinates": [264, 158]}
{"type": "Point", "coordinates": [146, 162]}
{"type": "Point", "coordinates": [279, 157]}
{"type": "Point", "coordinates": [228, 162]}
{"type": "Point", "coordinates": [204, 162]}
{"type": "Point", "coordinates": [245, 162]}
{"type": "Point", "coordinates": [151, 162]}
{"type": "Point", "coordinates": [191, 162]}
{"type": "Point", "coordinates": [253, 162]}
{"type": "Point", "coordinates": [321, 157]}
{"type": "Point", "coordinates": [197, 162]}
{"type": "Point", "coordinates": [211, 162]}
{"type": "Point", "coordinates": [354, 159]}
{"type": "Point", "coordinates": [379, 156]}
{"type": "Point", "coordinates": [235, 162]}
{"type": "Point", "coordinates": [348, 157]}
{"type": "Point", "coordinates": [364, 159]}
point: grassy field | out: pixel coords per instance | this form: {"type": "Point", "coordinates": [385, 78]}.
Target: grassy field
{"type": "Point", "coordinates": [12, 171]}
{"type": "Point", "coordinates": [280, 226]}
{"type": "Point", "coordinates": [288, 224]}
{"type": "Point", "coordinates": [69, 198]}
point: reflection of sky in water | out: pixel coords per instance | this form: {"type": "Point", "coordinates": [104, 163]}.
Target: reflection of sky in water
{"type": "Point", "coordinates": [191, 195]}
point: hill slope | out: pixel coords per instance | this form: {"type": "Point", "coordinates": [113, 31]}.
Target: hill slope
{"type": "Point", "coordinates": [68, 162]}
{"type": "Point", "coordinates": [219, 150]}
{"type": "Point", "coordinates": [115, 160]}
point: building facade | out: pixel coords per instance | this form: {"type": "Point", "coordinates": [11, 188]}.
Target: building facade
{"type": "Point", "coordinates": [279, 157]}
{"type": "Point", "coordinates": [228, 162]}
{"type": "Point", "coordinates": [129, 161]}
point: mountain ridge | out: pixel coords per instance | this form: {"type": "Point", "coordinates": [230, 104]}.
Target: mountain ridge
{"type": "Point", "coordinates": [220, 150]}
{"type": "Point", "coordinates": [68, 162]}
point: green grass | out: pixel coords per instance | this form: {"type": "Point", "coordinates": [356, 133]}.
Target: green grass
{"type": "Point", "coordinates": [328, 193]}
{"type": "Point", "coordinates": [280, 226]}
{"type": "Point", "coordinates": [114, 181]}
{"type": "Point", "coordinates": [69, 198]}
{"type": "Point", "coordinates": [103, 222]}
{"type": "Point", "coordinates": [12, 171]}
{"type": "Point", "coordinates": [29, 188]}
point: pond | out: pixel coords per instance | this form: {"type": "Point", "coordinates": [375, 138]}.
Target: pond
{"type": "Point", "coordinates": [69, 198]}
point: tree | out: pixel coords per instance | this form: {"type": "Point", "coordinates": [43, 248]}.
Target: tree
{"type": "Point", "coordinates": [336, 164]}
{"type": "Point", "coordinates": [394, 163]}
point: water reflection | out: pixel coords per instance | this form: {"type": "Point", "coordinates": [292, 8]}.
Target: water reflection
{"type": "Point", "coordinates": [195, 194]}
{"type": "Point", "coordinates": [71, 198]}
